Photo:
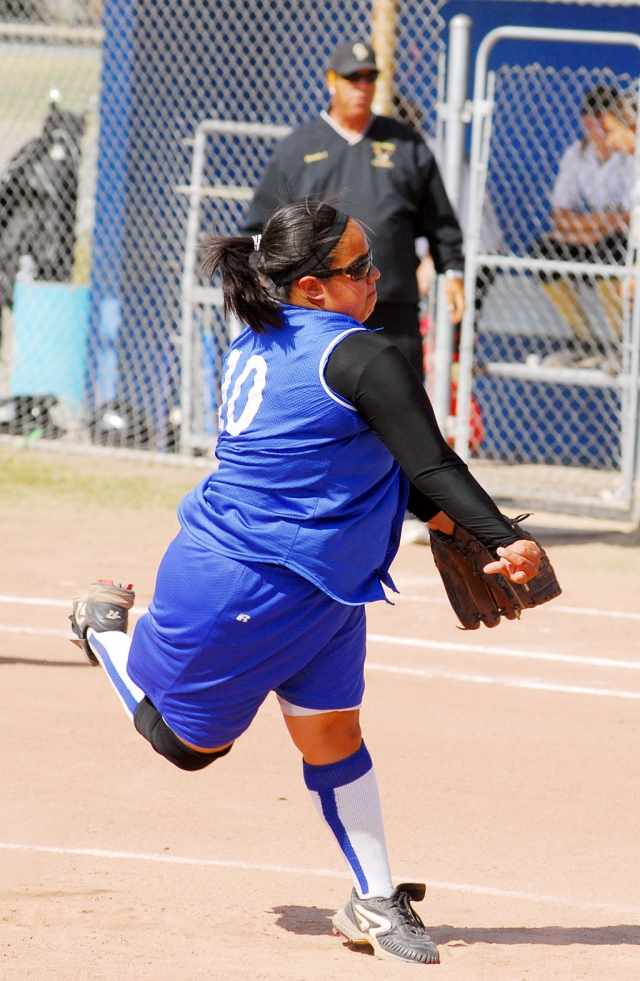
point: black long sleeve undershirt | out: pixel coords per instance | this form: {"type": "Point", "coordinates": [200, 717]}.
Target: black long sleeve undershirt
{"type": "Point", "coordinates": [371, 373]}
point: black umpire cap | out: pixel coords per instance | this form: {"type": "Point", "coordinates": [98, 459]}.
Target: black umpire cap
{"type": "Point", "coordinates": [353, 56]}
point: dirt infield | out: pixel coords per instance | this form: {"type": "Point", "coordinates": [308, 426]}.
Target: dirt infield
{"type": "Point", "coordinates": [508, 760]}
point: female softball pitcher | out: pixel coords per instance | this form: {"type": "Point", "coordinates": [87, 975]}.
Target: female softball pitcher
{"type": "Point", "coordinates": [326, 436]}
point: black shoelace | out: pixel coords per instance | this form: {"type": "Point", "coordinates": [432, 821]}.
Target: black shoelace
{"type": "Point", "coordinates": [408, 916]}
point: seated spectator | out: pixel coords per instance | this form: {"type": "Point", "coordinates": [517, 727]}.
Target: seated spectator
{"type": "Point", "coordinates": [619, 124]}
{"type": "Point", "coordinates": [590, 202]}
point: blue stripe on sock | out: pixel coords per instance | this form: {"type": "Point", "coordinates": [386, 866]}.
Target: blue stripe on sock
{"type": "Point", "coordinates": [330, 775]}
{"type": "Point", "coordinates": [114, 677]}
{"type": "Point", "coordinates": [331, 816]}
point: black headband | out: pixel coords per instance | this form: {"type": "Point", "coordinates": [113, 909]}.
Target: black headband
{"type": "Point", "coordinates": [312, 262]}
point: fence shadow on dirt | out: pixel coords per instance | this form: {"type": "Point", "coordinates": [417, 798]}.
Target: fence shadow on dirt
{"type": "Point", "coordinates": [40, 663]}
{"type": "Point", "coordinates": [571, 536]}
{"type": "Point", "coordinates": [554, 936]}
{"type": "Point", "coordinates": [313, 921]}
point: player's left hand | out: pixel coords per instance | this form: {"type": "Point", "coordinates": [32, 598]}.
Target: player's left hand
{"type": "Point", "coordinates": [425, 273]}
{"type": "Point", "coordinates": [454, 293]}
{"type": "Point", "coordinates": [519, 561]}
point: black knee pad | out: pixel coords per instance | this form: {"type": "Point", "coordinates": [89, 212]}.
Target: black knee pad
{"type": "Point", "coordinates": [152, 726]}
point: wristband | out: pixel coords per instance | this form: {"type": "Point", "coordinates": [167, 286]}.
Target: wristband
{"type": "Point", "coordinates": [454, 274]}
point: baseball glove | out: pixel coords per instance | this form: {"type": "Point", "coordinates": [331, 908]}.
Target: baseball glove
{"type": "Point", "coordinates": [479, 598]}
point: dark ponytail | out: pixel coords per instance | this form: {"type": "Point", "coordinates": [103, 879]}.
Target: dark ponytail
{"type": "Point", "coordinates": [244, 292]}
{"type": "Point", "coordinates": [298, 239]}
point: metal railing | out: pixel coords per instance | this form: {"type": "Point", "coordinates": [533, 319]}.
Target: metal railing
{"type": "Point", "coordinates": [492, 92]}
{"type": "Point", "coordinates": [193, 293]}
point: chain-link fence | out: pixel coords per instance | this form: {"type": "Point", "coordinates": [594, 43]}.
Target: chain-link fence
{"type": "Point", "coordinates": [99, 112]}
{"type": "Point", "coordinates": [91, 297]}
{"type": "Point", "coordinates": [553, 410]}
{"type": "Point", "coordinates": [49, 90]}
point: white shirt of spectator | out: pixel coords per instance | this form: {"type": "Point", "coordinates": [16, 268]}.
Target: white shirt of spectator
{"type": "Point", "coordinates": [585, 183]}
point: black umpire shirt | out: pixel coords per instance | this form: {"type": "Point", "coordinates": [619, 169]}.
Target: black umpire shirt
{"type": "Point", "coordinates": [388, 180]}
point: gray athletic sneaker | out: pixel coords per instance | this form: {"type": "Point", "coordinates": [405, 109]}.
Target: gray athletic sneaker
{"type": "Point", "coordinates": [104, 606]}
{"type": "Point", "coordinates": [391, 926]}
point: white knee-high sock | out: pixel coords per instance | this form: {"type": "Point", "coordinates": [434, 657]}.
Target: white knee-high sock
{"type": "Point", "coordinates": [112, 650]}
{"type": "Point", "coordinates": [346, 796]}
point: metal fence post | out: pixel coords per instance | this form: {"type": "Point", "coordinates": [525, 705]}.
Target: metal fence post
{"type": "Point", "coordinates": [454, 134]}
{"type": "Point", "coordinates": [189, 280]}
{"type": "Point", "coordinates": [384, 16]}
{"type": "Point", "coordinates": [629, 460]}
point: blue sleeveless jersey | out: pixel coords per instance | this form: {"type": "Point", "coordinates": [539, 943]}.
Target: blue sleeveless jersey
{"type": "Point", "coordinates": [303, 482]}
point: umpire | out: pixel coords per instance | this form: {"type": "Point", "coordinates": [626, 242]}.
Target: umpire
{"type": "Point", "coordinates": [386, 178]}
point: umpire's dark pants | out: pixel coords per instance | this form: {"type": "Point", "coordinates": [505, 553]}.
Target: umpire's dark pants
{"type": "Point", "coordinates": [401, 324]}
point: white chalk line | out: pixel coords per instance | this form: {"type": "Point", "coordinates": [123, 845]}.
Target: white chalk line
{"type": "Point", "coordinates": [464, 887]}
{"type": "Point", "coordinates": [547, 608]}
{"type": "Point", "coordinates": [505, 682]}
{"type": "Point", "coordinates": [436, 645]}
{"type": "Point", "coordinates": [591, 612]}
{"type": "Point", "coordinates": [408, 598]}
{"type": "Point", "coordinates": [6, 628]}
{"type": "Point", "coordinates": [443, 645]}
{"type": "Point", "coordinates": [395, 597]}
{"type": "Point", "coordinates": [442, 674]}
{"type": "Point", "coordinates": [35, 601]}
{"type": "Point", "coordinates": [60, 604]}
{"type": "Point", "coordinates": [430, 673]}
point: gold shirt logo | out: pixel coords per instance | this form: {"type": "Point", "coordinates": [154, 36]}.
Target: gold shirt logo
{"type": "Point", "coordinates": [310, 158]}
{"type": "Point", "coordinates": [382, 154]}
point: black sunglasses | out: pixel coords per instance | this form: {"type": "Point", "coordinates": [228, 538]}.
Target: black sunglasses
{"type": "Point", "coordinates": [369, 76]}
{"type": "Point", "coordinates": [359, 269]}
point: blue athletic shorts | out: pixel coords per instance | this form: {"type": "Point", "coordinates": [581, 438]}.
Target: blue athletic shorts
{"type": "Point", "coordinates": [221, 634]}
